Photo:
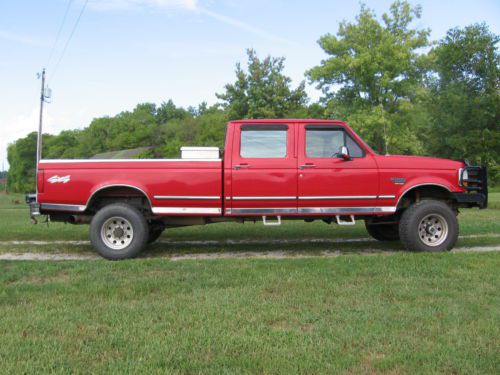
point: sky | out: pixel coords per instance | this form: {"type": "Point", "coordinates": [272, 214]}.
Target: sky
{"type": "Point", "coordinates": [125, 52]}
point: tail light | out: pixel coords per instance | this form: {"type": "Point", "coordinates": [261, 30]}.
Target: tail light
{"type": "Point", "coordinates": [40, 180]}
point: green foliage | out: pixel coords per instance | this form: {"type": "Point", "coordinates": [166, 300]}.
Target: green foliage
{"type": "Point", "coordinates": [262, 92]}
{"type": "Point", "coordinates": [124, 131]}
{"type": "Point", "coordinates": [205, 129]}
{"type": "Point", "coordinates": [169, 111]}
{"type": "Point", "coordinates": [22, 160]}
{"type": "Point", "coordinates": [465, 97]}
{"type": "Point", "coordinates": [372, 75]}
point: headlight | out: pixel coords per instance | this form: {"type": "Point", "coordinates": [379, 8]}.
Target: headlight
{"type": "Point", "coordinates": [463, 176]}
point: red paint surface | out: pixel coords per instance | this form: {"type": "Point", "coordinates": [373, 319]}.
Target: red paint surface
{"type": "Point", "coordinates": [367, 176]}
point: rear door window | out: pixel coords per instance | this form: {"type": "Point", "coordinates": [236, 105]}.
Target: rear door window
{"type": "Point", "coordinates": [261, 141]}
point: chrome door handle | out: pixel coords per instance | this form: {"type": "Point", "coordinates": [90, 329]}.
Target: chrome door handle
{"type": "Point", "coordinates": [307, 165]}
{"type": "Point", "coordinates": [241, 166]}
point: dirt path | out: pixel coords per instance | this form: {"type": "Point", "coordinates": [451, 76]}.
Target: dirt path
{"type": "Point", "coordinates": [232, 242]}
{"type": "Point", "coordinates": [276, 254]}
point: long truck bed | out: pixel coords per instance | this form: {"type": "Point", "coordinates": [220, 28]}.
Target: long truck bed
{"type": "Point", "coordinates": [172, 186]}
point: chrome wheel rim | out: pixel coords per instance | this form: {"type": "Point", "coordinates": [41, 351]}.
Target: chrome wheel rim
{"type": "Point", "coordinates": [433, 230]}
{"type": "Point", "coordinates": [117, 233]}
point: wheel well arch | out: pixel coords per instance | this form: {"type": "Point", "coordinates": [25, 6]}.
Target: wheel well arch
{"type": "Point", "coordinates": [118, 192]}
{"type": "Point", "coordinates": [415, 193]}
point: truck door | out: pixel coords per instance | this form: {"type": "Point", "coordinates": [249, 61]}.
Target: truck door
{"type": "Point", "coordinates": [263, 170]}
{"type": "Point", "coordinates": [328, 184]}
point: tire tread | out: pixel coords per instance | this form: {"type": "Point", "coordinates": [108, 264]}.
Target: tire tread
{"type": "Point", "coordinates": [411, 241]}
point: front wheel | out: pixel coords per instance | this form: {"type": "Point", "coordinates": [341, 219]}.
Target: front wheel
{"type": "Point", "coordinates": [429, 226]}
{"type": "Point", "coordinates": [118, 231]}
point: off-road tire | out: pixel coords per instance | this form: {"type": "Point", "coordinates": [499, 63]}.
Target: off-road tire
{"type": "Point", "coordinates": [383, 232]}
{"type": "Point", "coordinates": [410, 226]}
{"type": "Point", "coordinates": [134, 226]}
{"type": "Point", "coordinates": [154, 234]}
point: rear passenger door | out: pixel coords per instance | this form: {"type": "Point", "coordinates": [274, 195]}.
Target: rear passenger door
{"type": "Point", "coordinates": [264, 170]}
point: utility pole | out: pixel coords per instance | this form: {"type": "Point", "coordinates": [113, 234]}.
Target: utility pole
{"type": "Point", "coordinates": [39, 137]}
{"type": "Point", "coordinates": [44, 94]}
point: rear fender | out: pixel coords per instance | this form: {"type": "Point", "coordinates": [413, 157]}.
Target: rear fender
{"type": "Point", "coordinates": [100, 188]}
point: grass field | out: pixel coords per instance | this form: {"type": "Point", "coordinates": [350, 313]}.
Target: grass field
{"type": "Point", "coordinates": [401, 314]}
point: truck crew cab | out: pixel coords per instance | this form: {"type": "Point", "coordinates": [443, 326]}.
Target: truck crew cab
{"type": "Point", "coordinates": [271, 169]}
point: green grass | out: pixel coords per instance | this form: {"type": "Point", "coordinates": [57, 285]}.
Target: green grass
{"type": "Point", "coordinates": [401, 314]}
{"type": "Point", "coordinates": [494, 189]}
{"type": "Point", "coordinates": [409, 313]}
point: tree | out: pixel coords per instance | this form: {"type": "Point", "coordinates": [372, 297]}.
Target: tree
{"type": "Point", "coordinates": [262, 92]}
{"type": "Point", "coordinates": [169, 111]}
{"type": "Point", "coordinates": [373, 74]}
{"type": "Point", "coordinates": [62, 146]}
{"type": "Point", "coordinates": [465, 97]}
{"type": "Point", "coordinates": [123, 131]}
{"type": "Point", "coordinates": [22, 160]}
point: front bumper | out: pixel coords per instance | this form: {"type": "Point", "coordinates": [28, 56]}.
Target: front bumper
{"type": "Point", "coordinates": [471, 199]}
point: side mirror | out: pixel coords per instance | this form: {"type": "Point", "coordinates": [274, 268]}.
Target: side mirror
{"type": "Point", "coordinates": [344, 153]}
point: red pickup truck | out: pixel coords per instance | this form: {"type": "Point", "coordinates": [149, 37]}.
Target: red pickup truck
{"type": "Point", "coordinates": [271, 169]}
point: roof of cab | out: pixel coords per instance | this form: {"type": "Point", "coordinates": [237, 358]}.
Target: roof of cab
{"type": "Point", "coordinates": [286, 120]}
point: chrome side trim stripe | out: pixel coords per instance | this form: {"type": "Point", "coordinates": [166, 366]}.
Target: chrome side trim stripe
{"type": "Point", "coordinates": [337, 197]}
{"type": "Point", "coordinates": [259, 211]}
{"type": "Point", "coordinates": [277, 198]}
{"type": "Point", "coordinates": [186, 210]}
{"type": "Point", "coordinates": [187, 197]}
{"type": "Point", "coordinates": [62, 207]}
{"type": "Point", "coordinates": [236, 211]}
{"type": "Point", "coordinates": [345, 210]}
{"type": "Point", "coordinates": [310, 210]}
{"type": "Point", "coordinates": [314, 197]}
{"type": "Point", "coordinates": [121, 160]}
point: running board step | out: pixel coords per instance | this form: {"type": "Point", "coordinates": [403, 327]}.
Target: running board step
{"type": "Point", "coordinates": [271, 223]}
{"type": "Point", "coordinates": [343, 222]}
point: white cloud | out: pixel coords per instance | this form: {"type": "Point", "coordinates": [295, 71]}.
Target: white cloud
{"type": "Point", "coordinates": [53, 122]}
{"type": "Point", "coordinates": [15, 128]}
{"type": "Point", "coordinates": [187, 5]}
{"type": "Point", "coordinates": [137, 4]}
{"type": "Point", "coordinates": [244, 26]}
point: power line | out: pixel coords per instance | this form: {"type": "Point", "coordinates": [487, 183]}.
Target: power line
{"type": "Point", "coordinates": [69, 39]}
{"type": "Point", "coordinates": [59, 32]}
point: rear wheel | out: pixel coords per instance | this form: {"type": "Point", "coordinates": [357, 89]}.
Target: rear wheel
{"type": "Point", "coordinates": [429, 226]}
{"type": "Point", "coordinates": [383, 232]}
{"type": "Point", "coordinates": [118, 231]}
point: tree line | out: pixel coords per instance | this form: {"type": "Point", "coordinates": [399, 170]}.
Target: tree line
{"type": "Point", "coordinates": [402, 92]}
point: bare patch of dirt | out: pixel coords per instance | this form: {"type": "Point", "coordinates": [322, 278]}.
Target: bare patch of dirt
{"type": "Point", "coordinates": [277, 254]}
{"type": "Point", "coordinates": [46, 256]}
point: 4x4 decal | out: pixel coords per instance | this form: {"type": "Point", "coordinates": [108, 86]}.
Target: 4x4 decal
{"type": "Point", "coordinates": [56, 179]}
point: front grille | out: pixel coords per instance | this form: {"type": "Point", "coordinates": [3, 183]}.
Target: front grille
{"type": "Point", "coordinates": [476, 181]}
{"type": "Point", "coordinates": [476, 178]}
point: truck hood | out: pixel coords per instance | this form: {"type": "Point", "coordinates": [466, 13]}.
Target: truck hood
{"type": "Point", "coordinates": [415, 162]}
